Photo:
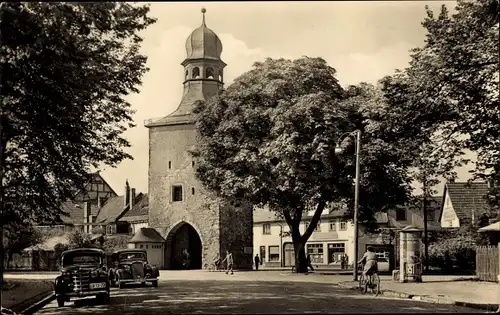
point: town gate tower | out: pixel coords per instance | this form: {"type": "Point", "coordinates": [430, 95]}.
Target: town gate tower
{"type": "Point", "coordinates": [180, 209]}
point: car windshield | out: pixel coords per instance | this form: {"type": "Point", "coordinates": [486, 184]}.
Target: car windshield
{"type": "Point", "coordinates": [81, 258]}
{"type": "Point", "coordinates": [132, 256]}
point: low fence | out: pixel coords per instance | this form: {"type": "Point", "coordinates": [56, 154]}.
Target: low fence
{"type": "Point", "coordinates": [487, 263]}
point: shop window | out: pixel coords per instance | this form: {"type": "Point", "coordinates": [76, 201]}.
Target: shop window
{"type": "Point", "coordinates": [335, 252]}
{"type": "Point", "coordinates": [316, 252]}
{"type": "Point", "coordinates": [274, 253]}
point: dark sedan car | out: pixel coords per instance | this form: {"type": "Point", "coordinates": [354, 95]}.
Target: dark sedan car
{"type": "Point", "coordinates": [83, 273]}
{"type": "Point", "coordinates": [131, 266]}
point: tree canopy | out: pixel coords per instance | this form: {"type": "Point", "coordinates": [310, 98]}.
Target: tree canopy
{"type": "Point", "coordinates": [453, 83]}
{"type": "Point", "coordinates": [66, 69]}
{"type": "Point", "coordinates": [269, 140]}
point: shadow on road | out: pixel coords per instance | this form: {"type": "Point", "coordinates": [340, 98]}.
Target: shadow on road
{"type": "Point", "coordinates": [244, 297]}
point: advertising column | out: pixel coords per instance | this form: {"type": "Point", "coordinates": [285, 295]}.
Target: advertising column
{"type": "Point", "coordinates": [410, 255]}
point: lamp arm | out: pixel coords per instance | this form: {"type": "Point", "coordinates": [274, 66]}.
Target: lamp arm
{"type": "Point", "coordinates": [346, 134]}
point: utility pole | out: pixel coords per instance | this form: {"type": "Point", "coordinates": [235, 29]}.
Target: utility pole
{"type": "Point", "coordinates": [356, 203]}
{"type": "Point", "coordinates": [426, 244]}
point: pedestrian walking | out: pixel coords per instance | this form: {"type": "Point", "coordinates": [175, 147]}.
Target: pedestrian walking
{"type": "Point", "coordinates": [309, 264]}
{"type": "Point", "coordinates": [186, 259]}
{"type": "Point", "coordinates": [229, 262]}
{"type": "Point", "coordinates": [257, 261]}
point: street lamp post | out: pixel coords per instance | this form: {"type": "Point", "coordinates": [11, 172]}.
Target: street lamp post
{"type": "Point", "coordinates": [281, 244]}
{"type": "Point", "coordinates": [338, 149]}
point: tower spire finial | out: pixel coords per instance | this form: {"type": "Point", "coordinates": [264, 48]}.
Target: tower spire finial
{"type": "Point", "coordinates": [203, 10]}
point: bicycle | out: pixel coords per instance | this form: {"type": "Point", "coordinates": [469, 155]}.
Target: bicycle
{"type": "Point", "coordinates": [371, 282]}
{"type": "Point", "coordinates": [215, 267]}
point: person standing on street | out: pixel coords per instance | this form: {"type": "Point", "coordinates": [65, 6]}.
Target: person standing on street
{"type": "Point", "coordinates": [229, 262]}
{"type": "Point", "coordinates": [257, 261]}
{"type": "Point", "coordinates": [309, 264]}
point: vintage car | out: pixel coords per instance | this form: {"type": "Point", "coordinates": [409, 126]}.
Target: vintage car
{"type": "Point", "coordinates": [83, 273]}
{"type": "Point", "coordinates": [131, 266]}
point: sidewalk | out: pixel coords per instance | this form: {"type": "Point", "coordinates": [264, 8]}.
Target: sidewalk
{"type": "Point", "coordinates": [443, 290]}
{"type": "Point", "coordinates": [321, 270]}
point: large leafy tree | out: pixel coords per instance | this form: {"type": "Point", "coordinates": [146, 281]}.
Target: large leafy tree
{"type": "Point", "coordinates": [454, 79]}
{"type": "Point", "coordinates": [66, 68]}
{"type": "Point", "coordinates": [269, 139]}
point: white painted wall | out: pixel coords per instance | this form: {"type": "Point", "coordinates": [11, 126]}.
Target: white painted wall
{"type": "Point", "coordinates": [449, 218]}
{"type": "Point", "coordinates": [154, 251]}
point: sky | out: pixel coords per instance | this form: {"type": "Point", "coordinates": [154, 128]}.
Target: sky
{"type": "Point", "coordinates": [363, 41]}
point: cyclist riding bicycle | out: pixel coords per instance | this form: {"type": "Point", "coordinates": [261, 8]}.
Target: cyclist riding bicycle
{"type": "Point", "coordinates": [370, 259]}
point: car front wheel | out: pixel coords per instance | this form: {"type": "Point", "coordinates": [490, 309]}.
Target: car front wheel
{"type": "Point", "coordinates": [155, 284]}
{"type": "Point", "coordinates": [103, 298]}
{"type": "Point", "coordinates": [121, 285]}
{"type": "Point", "coordinates": [60, 301]}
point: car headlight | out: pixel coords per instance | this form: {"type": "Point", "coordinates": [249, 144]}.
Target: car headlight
{"type": "Point", "coordinates": [127, 267]}
{"type": "Point", "coordinates": [95, 273]}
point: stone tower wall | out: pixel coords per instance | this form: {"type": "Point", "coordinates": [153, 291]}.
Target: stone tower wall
{"type": "Point", "coordinates": [171, 143]}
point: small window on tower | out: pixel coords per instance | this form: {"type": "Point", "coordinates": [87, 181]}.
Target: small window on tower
{"type": "Point", "coordinates": [196, 73]}
{"type": "Point", "coordinates": [187, 75]}
{"type": "Point", "coordinates": [169, 164]}
{"type": "Point", "coordinates": [192, 190]}
{"type": "Point", "coordinates": [192, 163]}
{"type": "Point", "coordinates": [209, 73]}
{"type": "Point", "coordinates": [220, 75]}
{"type": "Point", "coordinates": [177, 193]}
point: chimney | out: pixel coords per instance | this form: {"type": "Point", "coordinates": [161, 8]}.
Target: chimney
{"type": "Point", "coordinates": [127, 193]}
{"type": "Point", "coordinates": [86, 216]}
{"type": "Point", "coordinates": [132, 198]}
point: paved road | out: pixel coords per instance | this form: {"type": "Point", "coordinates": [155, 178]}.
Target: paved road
{"type": "Point", "coordinates": [197, 292]}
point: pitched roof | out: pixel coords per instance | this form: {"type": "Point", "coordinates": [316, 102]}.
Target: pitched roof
{"type": "Point", "coordinates": [147, 235]}
{"type": "Point", "coordinates": [139, 211]}
{"type": "Point", "coordinates": [75, 211]}
{"type": "Point", "coordinates": [111, 210]}
{"type": "Point", "coordinates": [88, 181]}
{"type": "Point", "coordinates": [466, 197]}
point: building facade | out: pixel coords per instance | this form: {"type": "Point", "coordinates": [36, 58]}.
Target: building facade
{"type": "Point", "coordinates": [179, 208]}
{"type": "Point", "coordinates": [334, 236]}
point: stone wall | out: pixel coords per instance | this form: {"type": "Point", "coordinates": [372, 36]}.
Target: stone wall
{"type": "Point", "coordinates": [236, 233]}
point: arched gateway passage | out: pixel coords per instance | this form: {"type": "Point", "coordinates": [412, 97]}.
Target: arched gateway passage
{"type": "Point", "coordinates": [183, 238]}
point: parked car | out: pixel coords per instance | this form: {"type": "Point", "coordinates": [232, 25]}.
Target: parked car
{"type": "Point", "coordinates": [131, 266]}
{"type": "Point", "coordinates": [83, 273]}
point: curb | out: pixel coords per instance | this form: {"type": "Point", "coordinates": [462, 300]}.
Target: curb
{"type": "Point", "coordinates": [33, 308]}
{"type": "Point", "coordinates": [431, 299]}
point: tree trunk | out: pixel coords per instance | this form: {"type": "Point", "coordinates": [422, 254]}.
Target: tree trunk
{"type": "Point", "coordinates": [300, 258]}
